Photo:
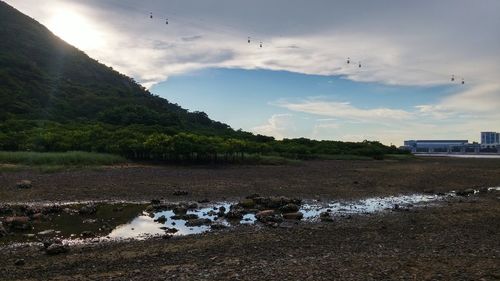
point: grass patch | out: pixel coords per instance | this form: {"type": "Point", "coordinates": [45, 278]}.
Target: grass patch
{"type": "Point", "coordinates": [399, 156]}
{"type": "Point", "coordinates": [59, 160]}
{"type": "Point", "coordinates": [341, 157]}
{"type": "Point", "coordinates": [256, 159]}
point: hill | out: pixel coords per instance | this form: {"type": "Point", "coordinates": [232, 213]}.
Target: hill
{"type": "Point", "coordinates": [44, 78]}
{"type": "Point", "coordinates": [55, 98]}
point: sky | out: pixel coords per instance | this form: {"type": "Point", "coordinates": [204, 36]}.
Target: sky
{"type": "Point", "coordinates": [298, 84]}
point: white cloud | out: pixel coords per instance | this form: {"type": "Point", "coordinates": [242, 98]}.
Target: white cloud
{"type": "Point", "coordinates": [418, 43]}
{"type": "Point", "coordinates": [279, 126]}
{"type": "Point", "coordinates": [345, 110]}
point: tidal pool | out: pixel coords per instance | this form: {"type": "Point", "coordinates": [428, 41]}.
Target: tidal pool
{"type": "Point", "coordinates": [114, 221]}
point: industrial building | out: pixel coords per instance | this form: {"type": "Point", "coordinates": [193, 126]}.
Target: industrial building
{"type": "Point", "coordinates": [441, 146]}
{"type": "Point", "coordinates": [490, 143]}
{"type": "Point", "coordinates": [490, 139]}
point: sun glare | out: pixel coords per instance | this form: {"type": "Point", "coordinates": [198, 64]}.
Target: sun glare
{"type": "Point", "coordinates": [75, 29]}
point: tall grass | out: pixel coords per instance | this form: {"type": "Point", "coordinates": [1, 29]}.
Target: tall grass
{"type": "Point", "coordinates": [72, 158]}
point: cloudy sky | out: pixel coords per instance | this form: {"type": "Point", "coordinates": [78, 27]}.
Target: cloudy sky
{"type": "Point", "coordinates": [298, 83]}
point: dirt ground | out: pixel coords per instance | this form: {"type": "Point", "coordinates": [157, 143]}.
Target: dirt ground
{"type": "Point", "coordinates": [310, 179]}
{"type": "Point", "coordinates": [457, 240]}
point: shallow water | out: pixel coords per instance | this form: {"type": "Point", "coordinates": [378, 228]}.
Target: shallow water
{"type": "Point", "coordinates": [121, 221]}
{"type": "Point", "coordinates": [144, 226]}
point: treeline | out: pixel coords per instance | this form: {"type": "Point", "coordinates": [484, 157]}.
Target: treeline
{"type": "Point", "coordinates": [156, 143]}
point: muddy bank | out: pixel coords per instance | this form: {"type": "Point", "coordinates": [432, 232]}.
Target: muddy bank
{"type": "Point", "coordinates": [324, 180]}
{"type": "Point", "coordinates": [456, 242]}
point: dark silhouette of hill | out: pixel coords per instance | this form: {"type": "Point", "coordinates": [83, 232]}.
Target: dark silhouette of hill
{"type": "Point", "coordinates": [44, 78]}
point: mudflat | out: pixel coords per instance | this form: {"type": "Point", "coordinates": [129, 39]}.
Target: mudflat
{"type": "Point", "coordinates": [458, 239]}
{"type": "Point", "coordinates": [309, 179]}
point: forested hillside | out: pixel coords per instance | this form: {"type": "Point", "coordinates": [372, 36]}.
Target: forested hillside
{"type": "Point", "coordinates": [45, 78]}
{"type": "Point", "coordinates": [53, 97]}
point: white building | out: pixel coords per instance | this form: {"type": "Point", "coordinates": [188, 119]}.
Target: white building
{"type": "Point", "coordinates": [490, 139]}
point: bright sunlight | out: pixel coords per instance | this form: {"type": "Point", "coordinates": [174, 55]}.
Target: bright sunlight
{"type": "Point", "coordinates": [75, 29]}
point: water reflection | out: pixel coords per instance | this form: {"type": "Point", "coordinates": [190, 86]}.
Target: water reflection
{"type": "Point", "coordinates": [145, 226]}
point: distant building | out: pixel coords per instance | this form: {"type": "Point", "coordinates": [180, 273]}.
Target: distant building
{"type": "Point", "coordinates": [490, 139]}
{"type": "Point", "coordinates": [433, 146]}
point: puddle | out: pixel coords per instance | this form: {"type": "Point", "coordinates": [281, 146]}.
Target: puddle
{"type": "Point", "coordinates": [145, 225]}
{"type": "Point", "coordinates": [74, 223]}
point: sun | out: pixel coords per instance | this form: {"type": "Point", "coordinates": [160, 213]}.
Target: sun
{"type": "Point", "coordinates": [75, 29]}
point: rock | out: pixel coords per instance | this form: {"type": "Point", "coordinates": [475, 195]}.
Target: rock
{"type": "Point", "coordinates": [161, 219]}
{"type": "Point", "coordinates": [88, 210]}
{"type": "Point", "coordinates": [87, 234]}
{"type": "Point", "coordinates": [180, 193]}
{"type": "Point", "coordinates": [198, 222]}
{"type": "Point", "coordinates": [47, 242]}
{"type": "Point", "coordinates": [6, 210]}
{"type": "Point", "coordinates": [326, 217]}
{"type": "Point", "coordinates": [466, 192]}
{"type": "Point", "coordinates": [180, 209]}
{"type": "Point", "coordinates": [37, 216]}
{"type": "Point", "coordinates": [46, 232]}
{"type": "Point", "coordinates": [155, 202]}
{"type": "Point", "coordinates": [293, 216]}
{"type": "Point", "coordinates": [19, 262]}
{"type": "Point", "coordinates": [24, 184]}
{"type": "Point", "coordinates": [289, 208]}
{"type": "Point", "coordinates": [484, 190]}
{"type": "Point", "coordinates": [218, 226]}
{"type": "Point", "coordinates": [276, 202]}
{"type": "Point", "coordinates": [192, 206]}
{"type": "Point", "coordinates": [265, 213]}
{"type": "Point", "coordinates": [18, 223]}
{"type": "Point", "coordinates": [3, 231]}
{"type": "Point", "coordinates": [221, 212]}
{"type": "Point", "coordinates": [56, 249]}
{"type": "Point", "coordinates": [170, 230]}
{"type": "Point", "coordinates": [269, 217]}
{"type": "Point", "coordinates": [70, 211]}
{"type": "Point", "coordinates": [89, 221]}
{"type": "Point", "coordinates": [185, 217]}
{"type": "Point", "coordinates": [247, 203]}
{"type": "Point", "coordinates": [203, 201]}
{"type": "Point", "coordinates": [234, 214]}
